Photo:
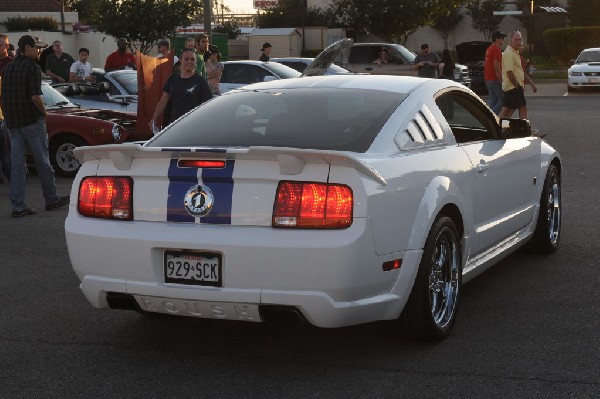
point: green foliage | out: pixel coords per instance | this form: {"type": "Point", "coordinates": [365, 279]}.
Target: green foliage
{"type": "Point", "coordinates": [232, 30]}
{"type": "Point", "coordinates": [446, 22]}
{"type": "Point", "coordinates": [391, 20]}
{"type": "Point", "coordinates": [144, 21]}
{"type": "Point", "coordinates": [584, 12]}
{"type": "Point", "coordinates": [482, 14]}
{"type": "Point", "coordinates": [88, 10]}
{"type": "Point", "coordinates": [565, 44]}
{"type": "Point", "coordinates": [292, 13]}
{"type": "Point", "coordinates": [16, 24]}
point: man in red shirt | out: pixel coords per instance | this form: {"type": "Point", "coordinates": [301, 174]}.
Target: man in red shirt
{"type": "Point", "coordinates": [120, 59]}
{"type": "Point", "coordinates": [493, 71]}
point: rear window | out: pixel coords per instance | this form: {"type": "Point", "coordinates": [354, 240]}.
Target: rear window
{"type": "Point", "coordinates": [283, 71]}
{"type": "Point", "coordinates": [327, 119]}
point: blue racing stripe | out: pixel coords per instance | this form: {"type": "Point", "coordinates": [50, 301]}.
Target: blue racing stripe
{"type": "Point", "coordinates": [180, 181]}
{"type": "Point", "coordinates": [220, 182]}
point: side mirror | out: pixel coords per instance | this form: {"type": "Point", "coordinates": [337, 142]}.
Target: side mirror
{"type": "Point", "coordinates": [571, 62]}
{"type": "Point", "coordinates": [269, 78]}
{"type": "Point", "coordinates": [515, 128]}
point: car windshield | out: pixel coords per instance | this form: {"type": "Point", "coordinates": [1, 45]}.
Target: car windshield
{"type": "Point", "coordinates": [128, 80]}
{"type": "Point", "coordinates": [406, 53]}
{"type": "Point", "coordinates": [283, 71]}
{"type": "Point", "coordinates": [325, 119]}
{"type": "Point", "coordinates": [53, 99]}
{"type": "Point", "coordinates": [588, 56]}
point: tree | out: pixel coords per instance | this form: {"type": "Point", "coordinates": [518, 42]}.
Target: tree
{"type": "Point", "coordinates": [446, 22]}
{"type": "Point", "coordinates": [391, 20]}
{"type": "Point", "coordinates": [482, 14]}
{"type": "Point", "coordinates": [294, 13]}
{"type": "Point", "coordinates": [232, 29]}
{"type": "Point", "coordinates": [144, 22]}
{"type": "Point", "coordinates": [584, 12]}
{"type": "Point", "coordinates": [87, 10]}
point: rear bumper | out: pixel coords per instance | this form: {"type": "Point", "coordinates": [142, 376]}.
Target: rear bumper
{"type": "Point", "coordinates": [333, 278]}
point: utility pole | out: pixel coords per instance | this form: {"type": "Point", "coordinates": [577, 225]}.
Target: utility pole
{"type": "Point", "coordinates": [530, 35]}
{"type": "Point", "coordinates": [208, 17]}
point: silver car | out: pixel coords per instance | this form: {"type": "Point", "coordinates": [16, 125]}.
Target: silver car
{"type": "Point", "coordinates": [120, 95]}
{"type": "Point", "coordinates": [241, 73]}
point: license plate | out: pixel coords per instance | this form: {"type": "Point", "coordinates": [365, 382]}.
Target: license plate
{"type": "Point", "coordinates": [594, 80]}
{"type": "Point", "coordinates": [193, 268]}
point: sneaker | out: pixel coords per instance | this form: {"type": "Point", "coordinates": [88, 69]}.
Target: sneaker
{"type": "Point", "coordinates": [17, 213]}
{"type": "Point", "coordinates": [62, 201]}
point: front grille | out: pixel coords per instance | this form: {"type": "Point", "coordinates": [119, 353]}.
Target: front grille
{"type": "Point", "coordinates": [591, 73]}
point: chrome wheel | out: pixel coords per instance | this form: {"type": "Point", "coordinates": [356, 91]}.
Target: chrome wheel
{"type": "Point", "coordinates": [553, 210]}
{"type": "Point", "coordinates": [61, 155]}
{"type": "Point", "coordinates": [546, 236]}
{"type": "Point", "coordinates": [444, 277]}
{"type": "Point", "coordinates": [432, 305]}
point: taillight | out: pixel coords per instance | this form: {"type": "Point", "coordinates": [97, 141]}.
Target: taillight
{"type": "Point", "coordinates": [106, 197]}
{"type": "Point", "coordinates": [312, 205]}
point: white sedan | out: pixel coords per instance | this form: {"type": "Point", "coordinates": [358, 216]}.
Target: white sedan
{"type": "Point", "coordinates": [585, 71]}
{"type": "Point", "coordinates": [337, 199]}
{"type": "Point", "coordinates": [241, 73]}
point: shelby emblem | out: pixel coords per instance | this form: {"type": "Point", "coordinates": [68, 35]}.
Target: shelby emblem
{"type": "Point", "coordinates": [198, 200]}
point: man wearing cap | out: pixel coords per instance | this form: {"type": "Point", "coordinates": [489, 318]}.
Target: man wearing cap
{"type": "Point", "coordinates": [426, 64]}
{"type": "Point", "coordinates": [492, 71]}
{"type": "Point", "coordinates": [120, 59]}
{"type": "Point", "coordinates": [164, 46]}
{"type": "Point", "coordinates": [58, 64]}
{"type": "Point", "coordinates": [513, 79]}
{"type": "Point", "coordinates": [266, 52]}
{"type": "Point", "coordinates": [25, 117]}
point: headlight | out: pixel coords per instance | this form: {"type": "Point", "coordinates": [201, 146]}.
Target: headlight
{"type": "Point", "coordinates": [575, 73]}
{"type": "Point", "coordinates": [116, 132]}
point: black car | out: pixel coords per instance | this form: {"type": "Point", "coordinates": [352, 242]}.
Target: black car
{"type": "Point", "coordinates": [472, 54]}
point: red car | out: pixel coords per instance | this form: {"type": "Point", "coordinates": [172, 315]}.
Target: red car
{"type": "Point", "coordinates": [70, 126]}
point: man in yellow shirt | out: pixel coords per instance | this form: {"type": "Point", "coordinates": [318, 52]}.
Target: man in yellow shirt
{"type": "Point", "coordinates": [514, 78]}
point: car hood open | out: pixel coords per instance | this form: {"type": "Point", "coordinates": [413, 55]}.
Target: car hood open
{"type": "Point", "coordinates": [471, 52]}
{"type": "Point", "coordinates": [326, 57]}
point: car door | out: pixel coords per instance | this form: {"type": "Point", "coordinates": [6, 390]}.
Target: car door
{"type": "Point", "coordinates": [505, 170]}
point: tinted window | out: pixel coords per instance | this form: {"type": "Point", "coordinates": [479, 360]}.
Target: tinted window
{"type": "Point", "coordinates": [469, 120]}
{"type": "Point", "coordinates": [338, 119]}
{"type": "Point", "coordinates": [362, 54]}
{"type": "Point", "coordinates": [588, 56]}
{"type": "Point", "coordinates": [284, 72]}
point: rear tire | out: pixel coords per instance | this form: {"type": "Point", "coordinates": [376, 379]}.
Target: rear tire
{"type": "Point", "coordinates": [432, 305]}
{"type": "Point", "coordinates": [547, 231]}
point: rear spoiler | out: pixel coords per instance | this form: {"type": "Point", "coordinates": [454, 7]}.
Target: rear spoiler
{"type": "Point", "coordinates": [291, 160]}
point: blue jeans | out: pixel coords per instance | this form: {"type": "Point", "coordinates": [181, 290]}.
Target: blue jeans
{"type": "Point", "coordinates": [36, 137]}
{"type": "Point", "coordinates": [4, 152]}
{"type": "Point", "coordinates": [496, 95]}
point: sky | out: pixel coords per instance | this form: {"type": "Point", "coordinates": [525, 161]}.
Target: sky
{"type": "Point", "coordinates": [240, 6]}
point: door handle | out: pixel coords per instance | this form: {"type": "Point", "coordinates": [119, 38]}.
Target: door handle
{"type": "Point", "coordinates": [482, 167]}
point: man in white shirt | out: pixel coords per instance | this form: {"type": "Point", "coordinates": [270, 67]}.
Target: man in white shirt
{"type": "Point", "coordinates": [81, 71]}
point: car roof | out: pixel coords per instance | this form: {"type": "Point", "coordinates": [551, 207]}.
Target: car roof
{"type": "Point", "coordinates": [399, 84]}
{"type": "Point", "coordinates": [591, 49]}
